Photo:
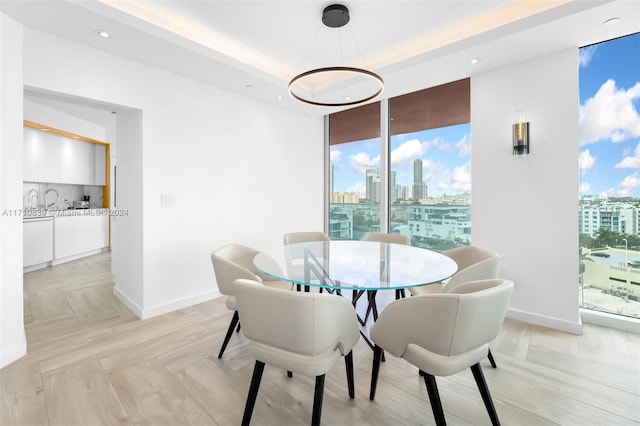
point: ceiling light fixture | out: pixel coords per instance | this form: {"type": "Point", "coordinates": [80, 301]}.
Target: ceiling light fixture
{"type": "Point", "coordinates": [316, 87]}
{"type": "Point", "coordinates": [103, 34]}
{"type": "Point", "coordinates": [474, 61]}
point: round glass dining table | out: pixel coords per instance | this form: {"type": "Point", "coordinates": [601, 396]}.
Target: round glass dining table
{"type": "Point", "coordinates": [355, 265]}
{"type": "Point", "coordinates": [361, 266]}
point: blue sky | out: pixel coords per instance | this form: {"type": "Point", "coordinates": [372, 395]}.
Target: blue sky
{"type": "Point", "coordinates": [609, 124]}
{"type": "Point", "coordinates": [446, 155]}
{"type": "Point", "coordinates": [609, 121]}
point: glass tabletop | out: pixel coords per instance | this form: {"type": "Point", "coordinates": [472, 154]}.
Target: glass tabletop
{"type": "Point", "coordinates": [355, 265]}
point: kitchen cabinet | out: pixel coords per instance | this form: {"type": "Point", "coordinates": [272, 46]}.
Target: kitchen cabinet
{"type": "Point", "coordinates": [49, 157]}
{"type": "Point", "coordinates": [85, 167]}
{"type": "Point", "coordinates": [76, 162]}
{"type": "Point", "coordinates": [37, 241]}
{"type": "Point", "coordinates": [100, 154]}
{"type": "Point", "coordinates": [30, 155]}
{"type": "Point", "coordinates": [85, 232]}
{"type": "Point", "coordinates": [65, 237]}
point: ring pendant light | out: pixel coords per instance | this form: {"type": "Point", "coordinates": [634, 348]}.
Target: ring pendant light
{"type": "Point", "coordinates": [336, 16]}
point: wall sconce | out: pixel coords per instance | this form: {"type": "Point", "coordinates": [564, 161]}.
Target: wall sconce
{"type": "Point", "coordinates": [521, 135]}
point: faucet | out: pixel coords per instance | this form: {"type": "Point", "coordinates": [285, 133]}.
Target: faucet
{"type": "Point", "coordinates": [33, 193]}
{"type": "Point", "coordinates": [55, 203]}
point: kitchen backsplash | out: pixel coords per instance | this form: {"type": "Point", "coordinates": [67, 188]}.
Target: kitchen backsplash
{"type": "Point", "coordinates": [33, 195]}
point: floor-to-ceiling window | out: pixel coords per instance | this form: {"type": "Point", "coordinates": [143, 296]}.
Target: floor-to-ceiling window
{"type": "Point", "coordinates": [609, 207]}
{"type": "Point", "coordinates": [417, 182]}
{"type": "Point", "coordinates": [430, 166]}
{"type": "Point", "coordinates": [355, 184]}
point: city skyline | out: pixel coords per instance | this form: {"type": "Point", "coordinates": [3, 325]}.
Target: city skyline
{"type": "Point", "coordinates": [445, 155]}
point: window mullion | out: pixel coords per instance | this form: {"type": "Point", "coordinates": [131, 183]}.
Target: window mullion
{"type": "Point", "coordinates": [385, 198]}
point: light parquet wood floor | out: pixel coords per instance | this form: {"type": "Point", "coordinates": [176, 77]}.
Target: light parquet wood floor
{"type": "Point", "coordinates": [92, 362]}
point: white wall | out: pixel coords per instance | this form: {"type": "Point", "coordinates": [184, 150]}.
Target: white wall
{"type": "Point", "coordinates": [237, 170]}
{"type": "Point", "coordinates": [12, 338]}
{"type": "Point", "coordinates": [527, 207]}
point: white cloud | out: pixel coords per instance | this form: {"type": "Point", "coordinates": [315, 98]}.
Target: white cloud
{"type": "Point", "coordinates": [408, 151]}
{"type": "Point", "coordinates": [358, 188]}
{"type": "Point", "coordinates": [586, 160]}
{"type": "Point", "coordinates": [464, 147]}
{"type": "Point", "coordinates": [628, 185]}
{"type": "Point", "coordinates": [439, 144]}
{"type": "Point", "coordinates": [432, 171]}
{"type": "Point", "coordinates": [585, 187]}
{"type": "Point", "coordinates": [586, 54]}
{"type": "Point", "coordinates": [458, 180]}
{"type": "Point", "coordinates": [610, 114]}
{"type": "Point", "coordinates": [360, 161]}
{"type": "Point", "coordinates": [631, 161]}
{"type": "Point", "coordinates": [335, 157]}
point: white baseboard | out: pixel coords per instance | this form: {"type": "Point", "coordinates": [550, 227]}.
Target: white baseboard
{"type": "Point", "coordinates": [78, 256]}
{"type": "Point", "coordinates": [555, 323]}
{"type": "Point", "coordinates": [14, 353]}
{"type": "Point", "coordinates": [179, 304]}
{"type": "Point", "coordinates": [167, 307]}
{"type": "Point", "coordinates": [133, 306]}
{"type": "Point", "coordinates": [36, 267]}
{"type": "Point", "coordinates": [618, 322]}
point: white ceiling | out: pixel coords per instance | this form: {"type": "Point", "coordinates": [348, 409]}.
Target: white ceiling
{"type": "Point", "coordinates": [254, 48]}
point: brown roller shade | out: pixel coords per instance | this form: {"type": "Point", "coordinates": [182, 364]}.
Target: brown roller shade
{"type": "Point", "coordinates": [355, 124]}
{"type": "Point", "coordinates": [445, 105]}
{"type": "Point", "coordinates": [440, 106]}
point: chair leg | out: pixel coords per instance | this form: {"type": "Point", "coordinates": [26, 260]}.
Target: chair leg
{"type": "Point", "coordinates": [434, 398]}
{"type": "Point", "coordinates": [289, 373]}
{"type": "Point", "coordinates": [375, 371]}
{"type": "Point", "coordinates": [484, 391]}
{"type": "Point", "coordinates": [348, 363]}
{"type": "Point", "coordinates": [491, 360]}
{"type": "Point", "coordinates": [317, 401]}
{"type": "Point", "coordinates": [234, 321]}
{"type": "Point", "coordinates": [253, 392]}
{"type": "Point", "coordinates": [238, 327]}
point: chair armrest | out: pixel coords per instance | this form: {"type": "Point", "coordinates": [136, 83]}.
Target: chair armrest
{"type": "Point", "coordinates": [425, 320]}
{"type": "Point", "coordinates": [336, 318]}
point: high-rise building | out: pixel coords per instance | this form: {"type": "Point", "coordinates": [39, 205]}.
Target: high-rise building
{"type": "Point", "coordinates": [373, 185]}
{"type": "Point", "coordinates": [419, 188]}
{"type": "Point", "coordinates": [393, 190]}
{"type": "Point", "coordinates": [620, 217]}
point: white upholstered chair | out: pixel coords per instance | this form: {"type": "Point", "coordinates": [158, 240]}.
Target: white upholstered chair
{"type": "Point", "coordinates": [384, 238]}
{"type": "Point", "coordinates": [300, 332]}
{"type": "Point", "coordinates": [443, 334]}
{"type": "Point", "coordinates": [231, 262]}
{"type": "Point", "coordinates": [387, 238]}
{"type": "Point", "coordinates": [294, 257]}
{"type": "Point", "coordinates": [474, 263]}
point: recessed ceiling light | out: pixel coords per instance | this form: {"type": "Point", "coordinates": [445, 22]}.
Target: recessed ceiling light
{"type": "Point", "coordinates": [248, 86]}
{"type": "Point", "coordinates": [474, 60]}
{"type": "Point", "coordinates": [279, 97]}
{"type": "Point", "coordinates": [611, 21]}
{"type": "Point", "coordinates": [103, 34]}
